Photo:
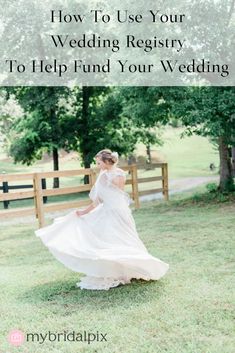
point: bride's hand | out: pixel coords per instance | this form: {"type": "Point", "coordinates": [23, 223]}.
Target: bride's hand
{"type": "Point", "coordinates": [79, 213]}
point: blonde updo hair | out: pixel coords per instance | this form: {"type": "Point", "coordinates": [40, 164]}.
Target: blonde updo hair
{"type": "Point", "coordinates": [107, 156]}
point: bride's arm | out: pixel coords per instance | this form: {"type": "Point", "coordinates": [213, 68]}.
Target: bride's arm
{"type": "Point", "coordinates": [95, 202]}
{"type": "Point", "coordinates": [87, 210]}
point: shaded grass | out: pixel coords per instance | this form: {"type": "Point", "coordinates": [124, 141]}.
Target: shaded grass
{"type": "Point", "coordinates": [190, 310]}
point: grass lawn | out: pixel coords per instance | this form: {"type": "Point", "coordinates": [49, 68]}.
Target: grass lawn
{"type": "Point", "coordinates": [186, 157]}
{"type": "Point", "coordinates": [189, 310]}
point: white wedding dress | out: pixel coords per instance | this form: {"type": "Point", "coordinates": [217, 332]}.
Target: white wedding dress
{"type": "Point", "coordinates": [103, 244]}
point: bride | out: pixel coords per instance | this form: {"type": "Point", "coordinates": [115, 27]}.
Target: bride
{"type": "Point", "coordinates": [101, 241]}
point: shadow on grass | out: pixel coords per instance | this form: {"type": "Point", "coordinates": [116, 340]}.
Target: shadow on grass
{"type": "Point", "coordinates": [66, 294]}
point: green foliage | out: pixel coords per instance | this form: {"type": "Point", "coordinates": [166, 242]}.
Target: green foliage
{"type": "Point", "coordinates": [206, 111]}
{"type": "Point", "coordinates": [217, 195]}
{"type": "Point", "coordinates": [175, 122]}
{"type": "Point", "coordinates": [103, 122]}
{"type": "Point", "coordinates": [10, 111]}
{"type": "Point", "coordinates": [211, 197]}
{"type": "Point", "coordinates": [146, 106]}
{"type": "Point", "coordinates": [45, 125]}
{"type": "Point", "coordinates": [212, 187]}
{"type": "Point", "coordinates": [86, 119]}
{"type": "Point", "coordinates": [209, 112]}
{"type": "Point", "coordinates": [229, 185]}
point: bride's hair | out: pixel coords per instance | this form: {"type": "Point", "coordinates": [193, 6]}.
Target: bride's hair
{"type": "Point", "coordinates": [107, 156]}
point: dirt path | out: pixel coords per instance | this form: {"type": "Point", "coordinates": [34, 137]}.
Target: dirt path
{"type": "Point", "coordinates": [175, 186]}
{"type": "Point", "coordinates": [181, 185]}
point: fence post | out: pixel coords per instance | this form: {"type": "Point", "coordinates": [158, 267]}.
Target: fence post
{"type": "Point", "coordinates": [165, 190]}
{"type": "Point", "coordinates": [38, 200]}
{"type": "Point", "coordinates": [134, 181]}
{"type": "Point", "coordinates": [44, 186]}
{"type": "Point", "coordinates": [5, 189]}
{"type": "Point", "coordinates": [92, 177]}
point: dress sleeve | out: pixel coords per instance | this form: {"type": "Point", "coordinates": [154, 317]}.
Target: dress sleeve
{"type": "Point", "coordinates": [93, 195]}
{"type": "Point", "coordinates": [96, 193]}
{"type": "Point", "coordinates": [118, 178]}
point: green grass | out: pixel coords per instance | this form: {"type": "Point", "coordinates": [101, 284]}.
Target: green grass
{"type": "Point", "coordinates": [190, 310]}
{"type": "Point", "coordinates": [187, 157]}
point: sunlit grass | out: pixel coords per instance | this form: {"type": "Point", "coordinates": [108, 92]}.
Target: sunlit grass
{"type": "Point", "coordinates": [186, 157]}
{"type": "Point", "coordinates": [190, 310]}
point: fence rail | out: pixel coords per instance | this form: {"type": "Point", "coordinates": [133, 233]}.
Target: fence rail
{"type": "Point", "coordinates": [6, 187]}
{"type": "Point", "coordinates": [39, 193]}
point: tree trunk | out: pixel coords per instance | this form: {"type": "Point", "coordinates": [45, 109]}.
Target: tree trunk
{"type": "Point", "coordinates": [56, 181]}
{"type": "Point", "coordinates": [86, 93]}
{"type": "Point", "coordinates": [87, 164]}
{"type": "Point", "coordinates": [226, 179]}
{"type": "Point", "coordinates": [233, 161]}
{"type": "Point", "coordinates": [149, 156]}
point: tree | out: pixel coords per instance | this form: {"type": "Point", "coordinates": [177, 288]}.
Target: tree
{"type": "Point", "coordinates": [84, 119]}
{"type": "Point", "coordinates": [102, 122]}
{"type": "Point", "coordinates": [233, 160]}
{"type": "Point", "coordinates": [45, 127]}
{"type": "Point", "coordinates": [9, 112]}
{"type": "Point", "coordinates": [206, 111]}
{"type": "Point", "coordinates": [209, 112]}
{"type": "Point", "coordinates": [148, 110]}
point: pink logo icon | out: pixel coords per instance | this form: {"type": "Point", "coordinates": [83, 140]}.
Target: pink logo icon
{"type": "Point", "coordinates": [16, 337]}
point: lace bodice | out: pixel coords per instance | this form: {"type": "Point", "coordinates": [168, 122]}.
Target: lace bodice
{"type": "Point", "coordinates": [105, 191]}
{"type": "Point", "coordinates": [114, 174]}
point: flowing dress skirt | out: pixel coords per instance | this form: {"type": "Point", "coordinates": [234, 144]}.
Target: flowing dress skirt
{"type": "Point", "coordinates": [102, 244]}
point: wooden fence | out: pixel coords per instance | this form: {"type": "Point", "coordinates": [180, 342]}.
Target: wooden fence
{"type": "Point", "coordinates": [38, 193]}
{"type": "Point", "coordinates": [6, 187]}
